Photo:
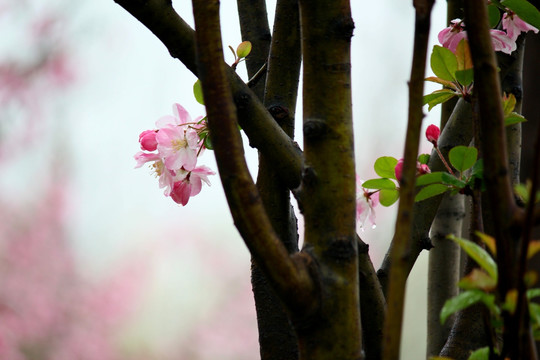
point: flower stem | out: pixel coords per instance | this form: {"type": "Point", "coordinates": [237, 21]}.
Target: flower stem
{"type": "Point", "coordinates": [444, 161]}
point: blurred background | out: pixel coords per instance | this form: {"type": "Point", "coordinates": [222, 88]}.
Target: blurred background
{"type": "Point", "coordinates": [95, 262]}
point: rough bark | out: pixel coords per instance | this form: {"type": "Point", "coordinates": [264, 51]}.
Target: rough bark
{"type": "Point", "coordinates": [328, 182]}
{"type": "Point", "coordinates": [277, 338]}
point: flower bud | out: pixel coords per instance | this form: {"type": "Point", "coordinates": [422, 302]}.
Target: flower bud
{"type": "Point", "coordinates": [398, 170]}
{"type": "Point", "coordinates": [432, 134]}
{"type": "Point", "coordinates": [148, 140]}
{"type": "Point", "coordinates": [422, 169]}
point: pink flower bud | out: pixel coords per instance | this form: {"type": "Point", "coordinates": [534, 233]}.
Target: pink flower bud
{"type": "Point", "coordinates": [422, 169]}
{"type": "Point", "coordinates": [148, 140]}
{"type": "Point", "coordinates": [398, 170]}
{"type": "Point", "coordinates": [432, 134]}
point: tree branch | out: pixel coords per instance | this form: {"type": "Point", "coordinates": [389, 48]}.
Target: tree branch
{"type": "Point", "coordinates": [263, 132]}
{"type": "Point", "coordinates": [496, 171]}
{"type": "Point", "coordinates": [372, 304]}
{"type": "Point", "coordinates": [328, 183]}
{"type": "Point", "coordinates": [288, 274]}
{"type": "Point", "coordinates": [444, 268]}
{"type": "Point", "coordinates": [401, 242]}
{"type": "Point", "coordinates": [277, 338]}
{"type": "Point", "coordinates": [254, 28]}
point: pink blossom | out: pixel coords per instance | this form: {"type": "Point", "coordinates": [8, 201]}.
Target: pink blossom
{"type": "Point", "coordinates": [148, 141]}
{"type": "Point", "coordinates": [515, 26]}
{"type": "Point", "coordinates": [178, 147]}
{"type": "Point", "coordinates": [501, 42]}
{"type": "Point", "coordinates": [432, 134]}
{"type": "Point", "coordinates": [181, 117]}
{"type": "Point", "coordinates": [452, 35]}
{"type": "Point", "coordinates": [190, 185]}
{"type": "Point", "coordinates": [142, 158]}
{"type": "Point", "coordinates": [365, 202]}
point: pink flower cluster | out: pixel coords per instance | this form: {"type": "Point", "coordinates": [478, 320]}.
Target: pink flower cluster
{"type": "Point", "coordinates": [421, 169]}
{"type": "Point", "coordinates": [501, 40]}
{"type": "Point", "coordinates": [173, 149]}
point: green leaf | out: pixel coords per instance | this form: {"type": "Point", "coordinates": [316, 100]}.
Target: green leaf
{"type": "Point", "coordinates": [489, 241]}
{"type": "Point", "coordinates": [460, 302]}
{"type": "Point", "coordinates": [431, 178]}
{"type": "Point", "coordinates": [438, 97]}
{"type": "Point", "coordinates": [513, 118]}
{"type": "Point", "coordinates": [480, 354]}
{"type": "Point", "coordinates": [532, 293]}
{"type": "Point", "coordinates": [384, 167]}
{"type": "Point", "coordinates": [423, 158]}
{"type": "Point", "coordinates": [243, 49]}
{"type": "Point", "coordinates": [208, 142]}
{"type": "Point", "coordinates": [463, 157]}
{"type": "Point", "coordinates": [477, 279]}
{"type": "Point", "coordinates": [448, 84]}
{"type": "Point", "coordinates": [494, 15]}
{"type": "Point", "coordinates": [388, 197]}
{"type": "Point", "coordinates": [463, 55]}
{"type": "Point", "coordinates": [443, 63]}
{"type": "Point", "coordinates": [379, 184]}
{"type": "Point", "coordinates": [525, 10]}
{"type": "Point", "coordinates": [478, 254]}
{"type": "Point", "coordinates": [450, 179]}
{"type": "Point", "coordinates": [430, 191]}
{"type": "Point", "coordinates": [465, 77]}
{"type": "Point", "coordinates": [478, 169]}
{"type": "Point", "coordinates": [197, 91]}
{"type": "Point", "coordinates": [534, 311]}
{"type": "Point", "coordinates": [509, 103]}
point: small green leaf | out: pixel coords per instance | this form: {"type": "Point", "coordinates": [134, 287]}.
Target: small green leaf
{"type": "Point", "coordinates": [513, 118]}
{"type": "Point", "coordinates": [460, 302]}
{"type": "Point", "coordinates": [388, 197]}
{"type": "Point", "coordinates": [478, 254]}
{"type": "Point", "coordinates": [379, 184]}
{"type": "Point", "coordinates": [431, 178]}
{"type": "Point", "coordinates": [423, 158]}
{"type": "Point", "coordinates": [532, 293]}
{"type": "Point", "coordinates": [477, 279]}
{"type": "Point", "coordinates": [438, 97]}
{"type": "Point", "coordinates": [534, 310]}
{"type": "Point", "coordinates": [463, 55]}
{"type": "Point", "coordinates": [385, 167]}
{"type": "Point", "coordinates": [480, 354]}
{"type": "Point", "coordinates": [509, 103]}
{"type": "Point", "coordinates": [448, 84]}
{"type": "Point", "coordinates": [465, 77]}
{"type": "Point", "coordinates": [494, 15]}
{"type": "Point", "coordinates": [443, 63]}
{"type": "Point", "coordinates": [430, 191]}
{"type": "Point", "coordinates": [533, 249]}
{"type": "Point", "coordinates": [197, 91]}
{"type": "Point", "coordinates": [489, 241]}
{"type": "Point", "coordinates": [510, 301]}
{"type": "Point", "coordinates": [478, 169]}
{"type": "Point", "coordinates": [525, 10]}
{"type": "Point", "coordinates": [450, 179]}
{"type": "Point", "coordinates": [243, 49]}
{"type": "Point", "coordinates": [208, 142]}
{"type": "Point", "coordinates": [463, 157]}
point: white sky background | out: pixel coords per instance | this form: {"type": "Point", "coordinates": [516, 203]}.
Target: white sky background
{"type": "Point", "coordinates": [127, 80]}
